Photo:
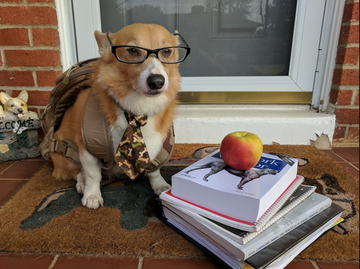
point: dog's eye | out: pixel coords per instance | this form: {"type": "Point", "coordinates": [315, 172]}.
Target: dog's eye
{"type": "Point", "coordinates": [12, 105]}
{"type": "Point", "coordinates": [22, 104]}
{"type": "Point", "coordinates": [166, 52]}
{"type": "Point", "coordinates": [134, 52]}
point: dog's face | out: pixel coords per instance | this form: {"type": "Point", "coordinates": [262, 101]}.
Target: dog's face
{"type": "Point", "coordinates": [16, 105]}
{"type": "Point", "coordinates": [150, 82]}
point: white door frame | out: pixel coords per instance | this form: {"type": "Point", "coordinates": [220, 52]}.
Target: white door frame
{"type": "Point", "coordinates": [306, 61]}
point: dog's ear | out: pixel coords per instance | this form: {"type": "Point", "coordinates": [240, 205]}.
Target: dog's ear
{"type": "Point", "coordinates": [24, 96]}
{"type": "Point", "coordinates": [4, 97]}
{"type": "Point", "coordinates": [103, 44]}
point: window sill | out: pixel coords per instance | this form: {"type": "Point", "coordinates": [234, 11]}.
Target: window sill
{"type": "Point", "coordinates": [283, 124]}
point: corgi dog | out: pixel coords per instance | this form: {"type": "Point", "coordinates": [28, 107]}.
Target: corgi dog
{"type": "Point", "coordinates": [14, 108]}
{"type": "Point", "coordinates": [137, 72]}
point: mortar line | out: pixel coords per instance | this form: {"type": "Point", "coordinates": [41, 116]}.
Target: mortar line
{"type": "Point", "coordinates": [315, 264]}
{"type": "Point", "coordinates": [345, 160]}
{"type": "Point", "coordinates": [31, 43]}
{"type": "Point", "coordinates": [54, 261]}
{"type": "Point", "coordinates": [141, 262]}
{"type": "Point", "coordinates": [7, 168]}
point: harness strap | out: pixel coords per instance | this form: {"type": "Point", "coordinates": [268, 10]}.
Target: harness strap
{"type": "Point", "coordinates": [65, 148]}
{"type": "Point", "coordinates": [95, 132]}
{"type": "Point", "coordinates": [165, 152]}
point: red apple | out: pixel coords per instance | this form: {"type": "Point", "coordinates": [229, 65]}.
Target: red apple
{"type": "Point", "coordinates": [241, 150]}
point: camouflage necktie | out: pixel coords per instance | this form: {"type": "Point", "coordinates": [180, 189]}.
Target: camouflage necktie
{"type": "Point", "coordinates": [132, 155]}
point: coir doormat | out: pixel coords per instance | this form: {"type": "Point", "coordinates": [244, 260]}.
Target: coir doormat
{"type": "Point", "coordinates": [46, 215]}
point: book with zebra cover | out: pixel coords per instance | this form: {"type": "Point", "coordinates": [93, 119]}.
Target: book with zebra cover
{"type": "Point", "coordinates": [244, 195]}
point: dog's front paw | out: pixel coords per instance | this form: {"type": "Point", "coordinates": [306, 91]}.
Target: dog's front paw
{"type": "Point", "coordinates": [161, 188]}
{"type": "Point", "coordinates": [157, 182]}
{"type": "Point", "coordinates": [92, 201]}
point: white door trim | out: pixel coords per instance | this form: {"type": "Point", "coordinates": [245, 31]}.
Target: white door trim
{"type": "Point", "coordinates": [305, 59]}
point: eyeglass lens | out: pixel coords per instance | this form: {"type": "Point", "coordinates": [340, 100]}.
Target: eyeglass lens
{"type": "Point", "coordinates": [166, 55]}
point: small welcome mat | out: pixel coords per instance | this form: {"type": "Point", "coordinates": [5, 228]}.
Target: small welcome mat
{"type": "Point", "coordinates": [46, 215]}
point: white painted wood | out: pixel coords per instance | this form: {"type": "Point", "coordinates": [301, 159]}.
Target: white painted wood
{"type": "Point", "coordinates": [328, 51]}
{"type": "Point", "coordinates": [287, 125]}
{"type": "Point", "coordinates": [308, 26]}
{"type": "Point", "coordinates": [87, 19]}
{"type": "Point", "coordinates": [66, 32]}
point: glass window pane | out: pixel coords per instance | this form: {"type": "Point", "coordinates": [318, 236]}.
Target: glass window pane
{"type": "Point", "coordinates": [227, 37]}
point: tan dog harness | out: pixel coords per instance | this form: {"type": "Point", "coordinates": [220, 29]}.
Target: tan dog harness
{"type": "Point", "coordinates": [95, 133]}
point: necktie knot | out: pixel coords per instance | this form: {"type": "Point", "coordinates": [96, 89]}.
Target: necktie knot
{"type": "Point", "coordinates": [135, 120]}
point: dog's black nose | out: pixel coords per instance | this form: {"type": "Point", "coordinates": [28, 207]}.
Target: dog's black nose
{"type": "Point", "coordinates": [20, 110]}
{"type": "Point", "coordinates": [155, 82]}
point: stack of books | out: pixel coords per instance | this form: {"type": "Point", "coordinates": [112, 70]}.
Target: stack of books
{"type": "Point", "coordinates": [259, 218]}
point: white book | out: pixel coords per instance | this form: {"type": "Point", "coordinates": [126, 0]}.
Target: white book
{"type": "Point", "coordinates": [243, 237]}
{"type": "Point", "coordinates": [233, 222]}
{"type": "Point", "coordinates": [306, 210]}
{"type": "Point", "coordinates": [243, 195]}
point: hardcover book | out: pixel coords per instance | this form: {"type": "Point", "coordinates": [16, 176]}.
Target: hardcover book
{"type": "Point", "coordinates": [306, 210]}
{"type": "Point", "coordinates": [244, 195]}
{"type": "Point", "coordinates": [276, 256]}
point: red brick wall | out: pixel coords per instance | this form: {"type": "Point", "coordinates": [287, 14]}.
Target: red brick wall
{"type": "Point", "coordinates": [345, 89]}
{"type": "Point", "coordinates": [29, 49]}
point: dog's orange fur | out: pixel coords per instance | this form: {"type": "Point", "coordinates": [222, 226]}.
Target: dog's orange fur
{"type": "Point", "coordinates": [117, 79]}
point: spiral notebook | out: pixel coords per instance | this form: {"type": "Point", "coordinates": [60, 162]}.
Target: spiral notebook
{"type": "Point", "coordinates": [244, 237]}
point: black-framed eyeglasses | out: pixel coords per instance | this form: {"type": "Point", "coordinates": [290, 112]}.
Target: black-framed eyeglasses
{"type": "Point", "coordinates": [138, 55]}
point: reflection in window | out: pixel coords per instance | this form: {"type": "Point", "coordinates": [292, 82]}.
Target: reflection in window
{"type": "Point", "coordinates": [227, 37]}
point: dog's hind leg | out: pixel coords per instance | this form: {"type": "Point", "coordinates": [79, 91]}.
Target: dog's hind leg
{"type": "Point", "coordinates": [63, 168]}
{"type": "Point", "coordinates": [157, 182]}
{"type": "Point", "coordinates": [91, 176]}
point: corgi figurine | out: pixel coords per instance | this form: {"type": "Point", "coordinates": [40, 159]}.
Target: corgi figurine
{"type": "Point", "coordinates": [15, 107]}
